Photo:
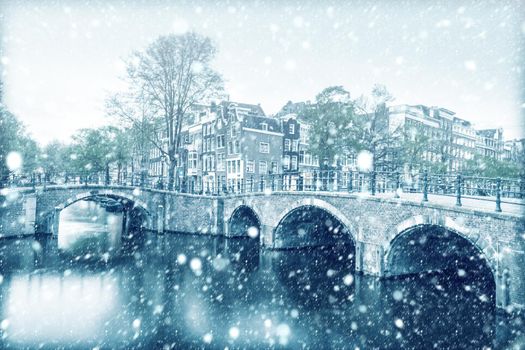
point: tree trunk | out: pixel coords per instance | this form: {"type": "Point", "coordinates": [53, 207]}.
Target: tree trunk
{"type": "Point", "coordinates": [171, 175]}
{"type": "Point", "coordinates": [107, 174]}
{"type": "Point", "coordinates": [132, 171]}
{"type": "Point", "coordinates": [119, 168]}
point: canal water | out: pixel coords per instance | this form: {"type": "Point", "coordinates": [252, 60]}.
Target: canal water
{"type": "Point", "coordinates": [86, 290]}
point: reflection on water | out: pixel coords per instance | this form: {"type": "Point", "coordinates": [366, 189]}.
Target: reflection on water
{"type": "Point", "coordinates": [61, 308]}
{"type": "Point", "coordinates": [86, 227]}
{"type": "Point", "coordinates": [184, 291]}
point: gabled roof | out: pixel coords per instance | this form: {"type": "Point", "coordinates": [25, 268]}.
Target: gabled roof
{"type": "Point", "coordinates": [252, 109]}
{"type": "Point", "coordinates": [254, 122]}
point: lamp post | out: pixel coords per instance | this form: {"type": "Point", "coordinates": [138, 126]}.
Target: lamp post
{"type": "Point", "coordinates": [458, 190]}
{"type": "Point", "coordinates": [40, 172]}
{"type": "Point", "coordinates": [425, 186]}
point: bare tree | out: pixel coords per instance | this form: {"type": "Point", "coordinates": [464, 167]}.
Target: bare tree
{"type": "Point", "coordinates": [174, 73]}
{"type": "Point", "coordinates": [370, 127]}
{"type": "Point", "coordinates": [134, 112]}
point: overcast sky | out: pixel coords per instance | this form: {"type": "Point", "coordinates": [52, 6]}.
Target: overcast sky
{"type": "Point", "coordinates": [61, 59]}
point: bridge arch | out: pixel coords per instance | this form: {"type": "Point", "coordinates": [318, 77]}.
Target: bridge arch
{"type": "Point", "coordinates": [424, 244]}
{"type": "Point", "coordinates": [446, 224]}
{"type": "Point", "coordinates": [49, 217]}
{"type": "Point", "coordinates": [242, 219]}
{"type": "Point", "coordinates": [322, 216]}
{"type": "Point", "coordinates": [103, 193]}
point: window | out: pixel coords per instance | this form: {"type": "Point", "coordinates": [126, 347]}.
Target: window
{"type": "Point", "coordinates": [304, 134]}
{"type": "Point", "coordinates": [263, 167]}
{"type": "Point", "coordinates": [295, 145]}
{"type": "Point", "coordinates": [275, 168]}
{"type": "Point", "coordinates": [294, 163]}
{"type": "Point", "coordinates": [230, 147]}
{"type": "Point", "coordinates": [220, 161]}
{"type": "Point", "coordinates": [287, 145]}
{"type": "Point", "coordinates": [264, 147]}
{"type": "Point", "coordinates": [286, 162]}
{"type": "Point", "coordinates": [307, 159]}
{"type": "Point", "coordinates": [192, 160]}
{"type": "Point", "coordinates": [234, 166]}
{"type": "Point", "coordinates": [291, 129]}
{"type": "Point", "coordinates": [250, 166]}
{"type": "Point", "coordinates": [234, 129]}
{"type": "Point", "coordinates": [209, 163]}
{"type": "Point", "coordinates": [220, 141]}
{"type": "Point", "coordinates": [264, 126]}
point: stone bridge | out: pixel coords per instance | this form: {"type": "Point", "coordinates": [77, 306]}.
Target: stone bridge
{"type": "Point", "coordinates": [391, 236]}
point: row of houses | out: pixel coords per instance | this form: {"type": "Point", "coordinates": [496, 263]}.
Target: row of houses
{"type": "Point", "coordinates": [459, 142]}
{"type": "Point", "coordinates": [228, 143]}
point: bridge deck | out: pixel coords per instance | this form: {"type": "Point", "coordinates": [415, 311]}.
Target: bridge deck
{"type": "Point", "coordinates": [487, 204]}
{"type": "Point", "coordinates": [511, 206]}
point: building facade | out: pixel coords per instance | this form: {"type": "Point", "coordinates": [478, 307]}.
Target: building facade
{"type": "Point", "coordinates": [452, 139]}
{"type": "Point", "coordinates": [230, 146]}
{"type": "Point", "coordinates": [514, 151]}
{"type": "Point", "coordinates": [490, 144]}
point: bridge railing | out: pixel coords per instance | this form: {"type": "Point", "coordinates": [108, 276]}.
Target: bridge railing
{"type": "Point", "coordinates": [498, 190]}
{"type": "Point", "coordinates": [83, 178]}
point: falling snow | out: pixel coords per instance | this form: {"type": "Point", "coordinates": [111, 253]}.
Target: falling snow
{"type": "Point", "coordinates": [305, 278]}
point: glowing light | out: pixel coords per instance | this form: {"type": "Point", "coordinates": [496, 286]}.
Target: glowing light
{"type": "Point", "coordinates": [207, 338]}
{"type": "Point", "coordinates": [283, 330]}
{"type": "Point", "coordinates": [136, 324]}
{"type": "Point", "coordinates": [234, 332]}
{"type": "Point", "coordinates": [181, 259]}
{"type": "Point", "coordinates": [365, 161]}
{"type": "Point", "coordinates": [36, 246]}
{"type": "Point", "coordinates": [4, 324]}
{"type": "Point", "coordinates": [399, 323]}
{"type": "Point", "coordinates": [13, 161]}
{"type": "Point", "coordinates": [196, 266]}
{"type": "Point", "coordinates": [398, 295]}
{"type": "Point", "coordinates": [348, 280]}
{"type": "Point", "coordinates": [253, 232]}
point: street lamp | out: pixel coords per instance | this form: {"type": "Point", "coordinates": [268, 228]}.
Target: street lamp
{"type": "Point", "coordinates": [40, 172]}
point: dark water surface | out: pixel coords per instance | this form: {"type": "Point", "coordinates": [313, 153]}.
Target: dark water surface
{"type": "Point", "coordinates": [186, 291]}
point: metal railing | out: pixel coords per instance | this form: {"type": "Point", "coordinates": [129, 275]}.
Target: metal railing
{"type": "Point", "coordinates": [498, 190]}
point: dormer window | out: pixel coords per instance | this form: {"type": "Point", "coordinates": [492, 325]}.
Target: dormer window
{"type": "Point", "coordinates": [264, 126]}
{"type": "Point", "coordinates": [292, 129]}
